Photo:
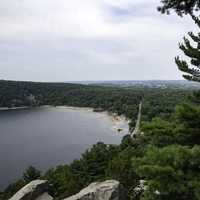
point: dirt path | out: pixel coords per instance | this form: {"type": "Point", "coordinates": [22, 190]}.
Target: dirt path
{"type": "Point", "coordinates": [137, 126]}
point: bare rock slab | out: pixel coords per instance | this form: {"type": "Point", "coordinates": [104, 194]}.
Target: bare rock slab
{"type": "Point", "coordinates": [108, 190]}
{"type": "Point", "coordinates": [32, 191]}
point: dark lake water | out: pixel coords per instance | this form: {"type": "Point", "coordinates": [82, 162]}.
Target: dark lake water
{"type": "Point", "coordinates": [46, 137]}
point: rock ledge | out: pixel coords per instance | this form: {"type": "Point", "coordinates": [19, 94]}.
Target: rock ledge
{"type": "Point", "coordinates": [33, 191]}
{"type": "Point", "coordinates": [108, 190]}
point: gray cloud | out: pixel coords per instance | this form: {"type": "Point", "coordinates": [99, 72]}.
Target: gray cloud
{"type": "Point", "coordinates": [88, 40]}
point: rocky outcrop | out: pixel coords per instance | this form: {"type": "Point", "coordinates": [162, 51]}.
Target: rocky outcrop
{"type": "Point", "coordinates": [35, 190]}
{"type": "Point", "coordinates": [38, 190]}
{"type": "Point", "coordinates": [108, 190]}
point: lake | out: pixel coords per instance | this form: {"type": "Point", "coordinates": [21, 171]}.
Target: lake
{"type": "Point", "coordinates": [47, 136]}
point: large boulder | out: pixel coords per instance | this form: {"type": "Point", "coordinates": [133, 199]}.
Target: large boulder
{"type": "Point", "coordinates": [35, 190]}
{"type": "Point", "coordinates": [108, 190]}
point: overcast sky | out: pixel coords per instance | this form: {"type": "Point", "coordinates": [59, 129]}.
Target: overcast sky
{"type": "Point", "coordinates": [67, 40]}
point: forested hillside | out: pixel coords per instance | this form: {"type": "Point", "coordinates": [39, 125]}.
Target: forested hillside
{"type": "Point", "coordinates": [166, 156]}
{"type": "Point", "coordinates": [156, 102]}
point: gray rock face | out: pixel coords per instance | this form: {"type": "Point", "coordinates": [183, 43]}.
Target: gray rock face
{"type": "Point", "coordinates": [35, 190]}
{"type": "Point", "coordinates": [108, 190]}
{"type": "Point", "coordinates": [44, 196]}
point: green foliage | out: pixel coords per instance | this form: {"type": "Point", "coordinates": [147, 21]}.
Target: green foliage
{"type": "Point", "coordinates": [99, 163]}
{"type": "Point", "coordinates": [192, 72]}
{"type": "Point", "coordinates": [120, 168]}
{"type": "Point", "coordinates": [188, 118]}
{"type": "Point", "coordinates": [12, 189]}
{"type": "Point", "coordinates": [170, 164]}
{"type": "Point", "coordinates": [31, 174]}
{"type": "Point", "coordinates": [161, 102]}
{"type": "Point", "coordinates": [182, 128]}
{"type": "Point", "coordinates": [192, 8]}
{"type": "Point", "coordinates": [180, 6]}
{"type": "Point", "coordinates": [62, 182]}
{"type": "Point", "coordinates": [69, 179]}
{"type": "Point", "coordinates": [126, 142]}
{"type": "Point", "coordinates": [94, 163]}
{"type": "Point", "coordinates": [159, 132]}
{"type": "Point", "coordinates": [170, 173]}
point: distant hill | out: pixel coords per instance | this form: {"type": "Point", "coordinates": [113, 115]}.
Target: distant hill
{"type": "Point", "coordinates": [145, 83]}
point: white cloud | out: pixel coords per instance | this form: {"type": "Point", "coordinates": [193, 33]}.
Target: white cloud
{"type": "Point", "coordinates": [90, 36]}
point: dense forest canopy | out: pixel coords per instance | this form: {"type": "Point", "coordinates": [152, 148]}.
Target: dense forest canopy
{"type": "Point", "coordinates": [123, 101]}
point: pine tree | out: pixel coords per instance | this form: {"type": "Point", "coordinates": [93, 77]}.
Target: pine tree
{"type": "Point", "coordinates": [31, 174]}
{"type": "Point", "coordinates": [193, 52]}
{"type": "Point", "coordinates": [184, 7]}
{"type": "Point", "coordinates": [181, 7]}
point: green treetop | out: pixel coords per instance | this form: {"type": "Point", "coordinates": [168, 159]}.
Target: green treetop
{"type": "Point", "coordinates": [191, 7]}
{"type": "Point", "coordinates": [192, 70]}
{"type": "Point", "coordinates": [180, 6]}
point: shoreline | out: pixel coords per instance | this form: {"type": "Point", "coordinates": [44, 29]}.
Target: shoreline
{"type": "Point", "coordinates": [119, 123]}
{"type": "Point", "coordinates": [72, 108]}
{"type": "Point", "coordinates": [14, 108]}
